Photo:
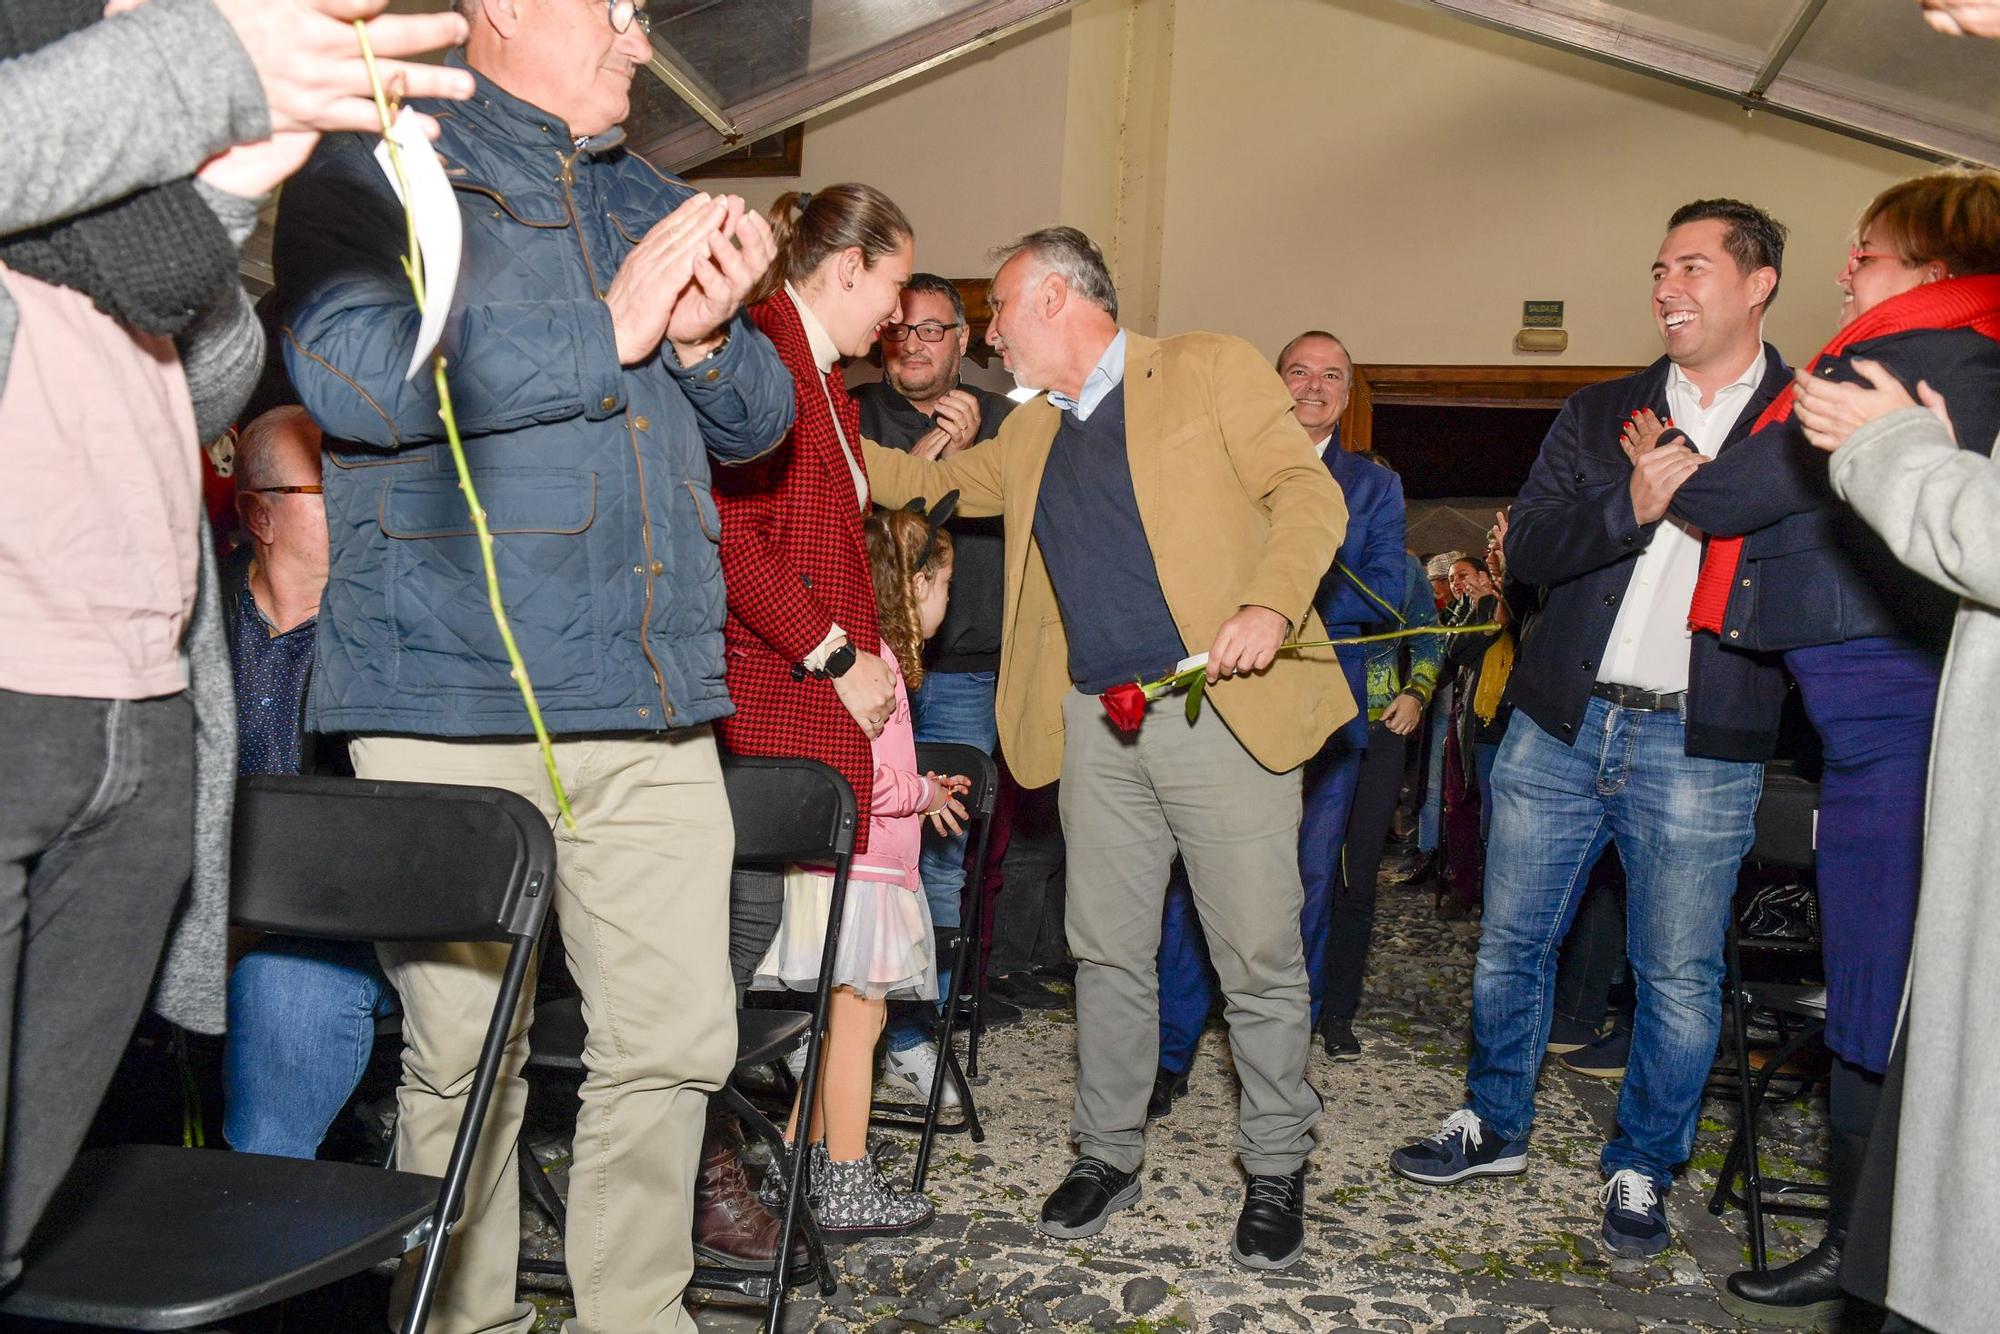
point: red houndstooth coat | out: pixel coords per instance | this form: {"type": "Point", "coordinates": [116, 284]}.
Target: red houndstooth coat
{"type": "Point", "coordinates": [796, 562]}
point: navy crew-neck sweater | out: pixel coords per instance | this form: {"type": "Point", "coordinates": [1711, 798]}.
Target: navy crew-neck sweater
{"type": "Point", "coordinates": [1087, 525]}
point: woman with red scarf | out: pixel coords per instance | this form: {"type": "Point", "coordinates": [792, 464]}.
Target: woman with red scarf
{"type": "Point", "coordinates": [1789, 568]}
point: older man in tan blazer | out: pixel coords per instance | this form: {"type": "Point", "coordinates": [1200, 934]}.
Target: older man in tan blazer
{"type": "Point", "coordinates": [1159, 500]}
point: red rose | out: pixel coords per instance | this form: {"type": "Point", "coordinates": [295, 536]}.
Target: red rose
{"type": "Point", "coordinates": [1125, 705]}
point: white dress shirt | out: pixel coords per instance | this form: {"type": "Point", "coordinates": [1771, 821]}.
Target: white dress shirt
{"type": "Point", "coordinates": [1648, 648]}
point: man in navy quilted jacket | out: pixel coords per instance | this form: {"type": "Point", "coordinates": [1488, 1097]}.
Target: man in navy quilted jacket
{"type": "Point", "coordinates": [597, 363]}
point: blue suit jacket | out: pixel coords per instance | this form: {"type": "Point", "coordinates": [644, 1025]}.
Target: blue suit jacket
{"type": "Point", "coordinates": [1373, 552]}
{"type": "Point", "coordinates": [1372, 549]}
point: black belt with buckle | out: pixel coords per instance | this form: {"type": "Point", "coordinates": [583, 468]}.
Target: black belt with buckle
{"type": "Point", "coordinates": [1631, 697]}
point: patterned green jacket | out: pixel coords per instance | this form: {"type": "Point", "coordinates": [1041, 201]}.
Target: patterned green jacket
{"type": "Point", "coordinates": [1384, 661]}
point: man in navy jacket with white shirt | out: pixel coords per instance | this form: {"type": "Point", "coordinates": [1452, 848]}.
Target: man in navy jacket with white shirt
{"type": "Point", "coordinates": [1628, 730]}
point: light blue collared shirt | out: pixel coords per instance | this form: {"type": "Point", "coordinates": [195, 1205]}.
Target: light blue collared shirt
{"type": "Point", "coordinates": [1105, 376]}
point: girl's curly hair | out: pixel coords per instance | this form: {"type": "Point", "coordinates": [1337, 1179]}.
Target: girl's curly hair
{"type": "Point", "coordinates": [895, 542]}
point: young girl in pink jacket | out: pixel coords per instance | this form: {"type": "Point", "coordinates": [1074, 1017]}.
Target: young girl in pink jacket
{"type": "Point", "coordinates": [886, 943]}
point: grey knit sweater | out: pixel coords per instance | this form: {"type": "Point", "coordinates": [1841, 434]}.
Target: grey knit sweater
{"type": "Point", "coordinates": [130, 102]}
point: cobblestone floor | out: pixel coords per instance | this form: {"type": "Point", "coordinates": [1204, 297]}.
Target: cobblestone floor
{"type": "Point", "coordinates": [1383, 1254]}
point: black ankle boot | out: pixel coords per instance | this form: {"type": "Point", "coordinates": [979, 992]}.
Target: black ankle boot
{"type": "Point", "coordinates": [1805, 1294]}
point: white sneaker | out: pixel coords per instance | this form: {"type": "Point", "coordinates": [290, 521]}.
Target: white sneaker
{"type": "Point", "coordinates": [915, 1070]}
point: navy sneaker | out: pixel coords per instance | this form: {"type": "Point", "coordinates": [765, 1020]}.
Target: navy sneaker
{"type": "Point", "coordinates": [1465, 1147]}
{"type": "Point", "coordinates": [1635, 1217]}
{"type": "Point", "coordinates": [1568, 1035]}
{"type": "Point", "coordinates": [1603, 1059]}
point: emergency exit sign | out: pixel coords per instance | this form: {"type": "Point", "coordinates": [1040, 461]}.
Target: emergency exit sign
{"type": "Point", "coordinates": [1541, 314]}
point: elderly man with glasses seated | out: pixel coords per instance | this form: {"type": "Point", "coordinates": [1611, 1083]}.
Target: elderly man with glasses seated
{"type": "Point", "coordinates": [598, 362]}
{"type": "Point", "coordinates": [301, 1012]}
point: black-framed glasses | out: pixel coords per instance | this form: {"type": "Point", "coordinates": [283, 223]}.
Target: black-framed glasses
{"type": "Point", "coordinates": [314, 490]}
{"type": "Point", "coordinates": [930, 331]}
{"type": "Point", "coordinates": [624, 12]}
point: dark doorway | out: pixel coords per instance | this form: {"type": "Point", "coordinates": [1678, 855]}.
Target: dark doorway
{"type": "Point", "coordinates": [1444, 450]}
{"type": "Point", "coordinates": [1456, 432]}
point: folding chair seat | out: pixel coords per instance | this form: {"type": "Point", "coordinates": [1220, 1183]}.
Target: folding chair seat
{"type": "Point", "coordinates": [1789, 990]}
{"type": "Point", "coordinates": [150, 1237]}
{"type": "Point", "coordinates": [968, 968]}
{"type": "Point", "coordinates": [784, 811]}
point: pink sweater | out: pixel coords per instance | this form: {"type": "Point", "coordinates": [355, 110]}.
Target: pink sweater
{"type": "Point", "coordinates": [101, 504]}
{"type": "Point", "coordinates": [902, 795]}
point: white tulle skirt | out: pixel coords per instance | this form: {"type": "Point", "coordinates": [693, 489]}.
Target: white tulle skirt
{"type": "Point", "coordinates": [887, 948]}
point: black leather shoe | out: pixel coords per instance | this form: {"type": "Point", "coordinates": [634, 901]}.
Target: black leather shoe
{"type": "Point", "coordinates": [998, 1012]}
{"type": "Point", "coordinates": [1168, 1086]}
{"type": "Point", "coordinates": [1271, 1231]}
{"type": "Point", "coordinates": [1804, 1294]}
{"type": "Point", "coordinates": [1026, 991]}
{"type": "Point", "coordinates": [1338, 1035]}
{"type": "Point", "coordinates": [1092, 1192]}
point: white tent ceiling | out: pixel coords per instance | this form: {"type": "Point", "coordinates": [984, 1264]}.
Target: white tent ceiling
{"type": "Point", "coordinates": [1869, 68]}
{"type": "Point", "coordinates": [727, 72]}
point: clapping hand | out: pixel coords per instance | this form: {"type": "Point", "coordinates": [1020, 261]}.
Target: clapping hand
{"type": "Point", "coordinates": [653, 276]}
{"type": "Point", "coordinates": [1657, 472]}
{"type": "Point", "coordinates": [947, 813]}
{"type": "Point", "coordinates": [954, 426]}
{"type": "Point", "coordinates": [727, 267]}
{"type": "Point", "coordinates": [1830, 412]}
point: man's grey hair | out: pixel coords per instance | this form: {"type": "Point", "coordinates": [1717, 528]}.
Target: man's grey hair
{"type": "Point", "coordinates": [260, 460]}
{"type": "Point", "coordinates": [1072, 255]}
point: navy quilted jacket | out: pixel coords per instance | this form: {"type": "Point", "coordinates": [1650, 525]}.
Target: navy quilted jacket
{"type": "Point", "coordinates": [595, 478]}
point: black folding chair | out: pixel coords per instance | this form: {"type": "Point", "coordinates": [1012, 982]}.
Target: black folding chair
{"type": "Point", "coordinates": [152, 1237]}
{"type": "Point", "coordinates": [1790, 991]}
{"type": "Point", "coordinates": [785, 811]}
{"type": "Point", "coordinates": [952, 758]}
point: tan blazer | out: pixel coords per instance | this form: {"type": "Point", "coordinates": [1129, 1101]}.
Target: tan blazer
{"type": "Point", "coordinates": [1238, 512]}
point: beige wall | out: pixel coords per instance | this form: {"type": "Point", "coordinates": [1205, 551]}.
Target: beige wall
{"type": "Point", "coordinates": [1408, 180]}
{"type": "Point", "coordinates": [972, 151]}
{"type": "Point", "coordinates": [1405, 178]}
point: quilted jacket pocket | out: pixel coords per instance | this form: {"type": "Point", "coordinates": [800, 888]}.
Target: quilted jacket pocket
{"type": "Point", "coordinates": [442, 621]}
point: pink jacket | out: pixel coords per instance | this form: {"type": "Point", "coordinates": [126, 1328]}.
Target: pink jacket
{"type": "Point", "coordinates": [902, 794]}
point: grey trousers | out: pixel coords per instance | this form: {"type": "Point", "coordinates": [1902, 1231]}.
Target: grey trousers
{"type": "Point", "coordinates": [95, 845]}
{"type": "Point", "coordinates": [1128, 802]}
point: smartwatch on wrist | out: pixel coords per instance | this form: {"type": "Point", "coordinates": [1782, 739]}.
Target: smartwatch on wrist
{"type": "Point", "coordinates": [837, 662]}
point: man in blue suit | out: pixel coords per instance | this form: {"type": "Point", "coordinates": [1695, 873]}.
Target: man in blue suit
{"type": "Point", "coordinates": [1369, 568]}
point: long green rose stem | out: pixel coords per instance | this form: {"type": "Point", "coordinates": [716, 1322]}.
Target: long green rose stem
{"type": "Point", "coordinates": [413, 266]}
{"type": "Point", "coordinates": [1194, 679]}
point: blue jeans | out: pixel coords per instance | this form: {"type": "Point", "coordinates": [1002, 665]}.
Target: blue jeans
{"type": "Point", "coordinates": [952, 706]}
{"type": "Point", "coordinates": [1682, 825]}
{"type": "Point", "coordinates": [1187, 979]}
{"type": "Point", "coordinates": [1430, 817]}
{"type": "Point", "coordinates": [1484, 755]}
{"type": "Point", "coordinates": [948, 706]}
{"type": "Point", "coordinates": [301, 1027]}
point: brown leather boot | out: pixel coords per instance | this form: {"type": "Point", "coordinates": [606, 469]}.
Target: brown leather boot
{"type": "Point", "coordinates": [731, 1226]}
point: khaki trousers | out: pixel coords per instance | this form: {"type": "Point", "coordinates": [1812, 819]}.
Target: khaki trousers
{"type": "Point", "coordinates": [1128, 802]}
{"type": "Point", "coordinates": [642, 899]}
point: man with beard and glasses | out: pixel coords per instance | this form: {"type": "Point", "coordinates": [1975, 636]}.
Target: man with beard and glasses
{"type": "Point", "coordinates": [921, 404]}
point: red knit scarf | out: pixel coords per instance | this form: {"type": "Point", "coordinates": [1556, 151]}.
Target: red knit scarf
{"type": "Point", "coordinates": [1955, 303]}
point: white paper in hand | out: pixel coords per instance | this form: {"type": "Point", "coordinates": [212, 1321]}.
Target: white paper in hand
{"type": "Point", "coordinates": [440, 237]}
